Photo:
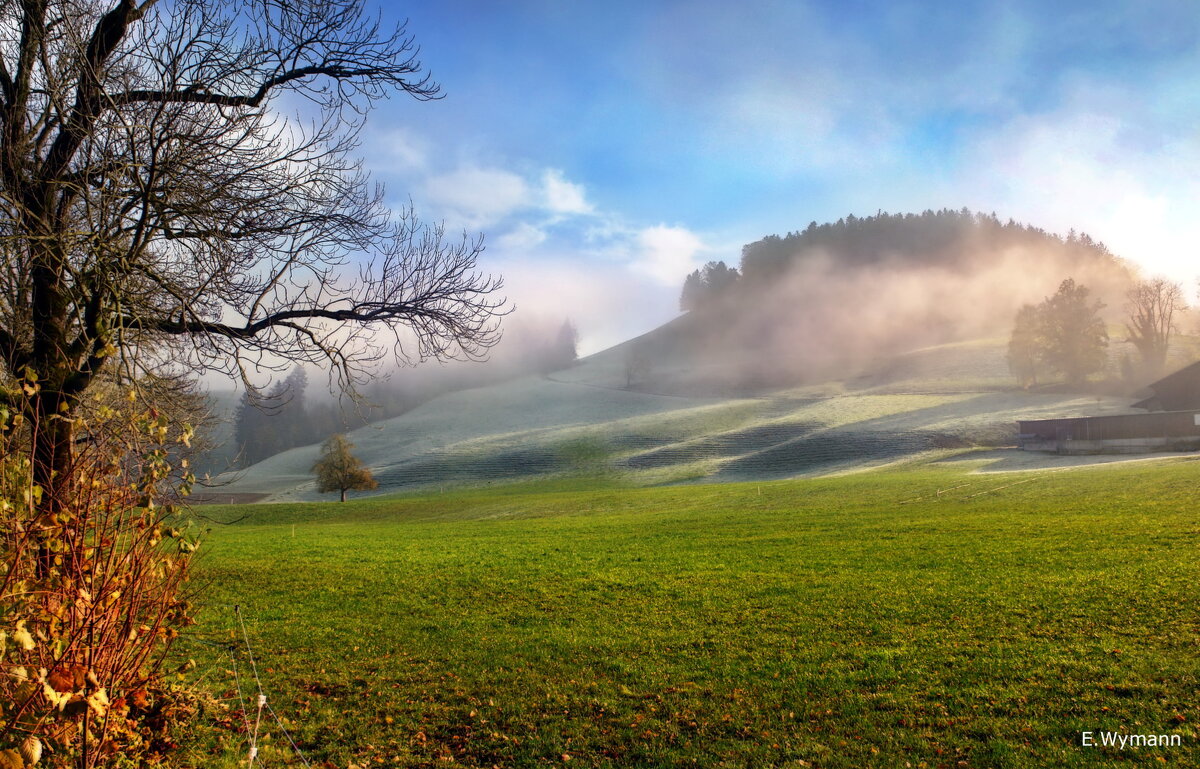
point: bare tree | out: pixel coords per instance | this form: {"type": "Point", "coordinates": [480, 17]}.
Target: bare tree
{"type": "Point", "coordinates": [1151, 306]}
{"type": "Point", "coordinates": [159, 205]}
{"type": "Point", "coordinates": [638, 364]}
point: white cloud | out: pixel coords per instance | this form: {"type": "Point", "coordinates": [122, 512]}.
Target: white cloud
{"type": "Point", "coordinates": [521, 238]}
{"type": "Point", "coordinates": [559, 254]}
{"type": "Point", "coordinates": [561, 196]}
{"type": "Point", "coordinates": [397, 152]}
{"type": "Point", "coordinates": [477, 197]}
{"type": "Point", "coordinates": [666, 254]}
{"type": "Point", "coordinates": [613, 280]}
{"type": "Point", "coordinates": [1099, 173]}
{"type": "Point", "coordinates": [403, 150]}
{"type": "Point", "coordinates": [607, 306]}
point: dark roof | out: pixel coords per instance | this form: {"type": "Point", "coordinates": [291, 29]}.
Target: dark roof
{"type": "Point", "coordinates": [1177, 390]}
{"type": "Point", "coordinates": [1189, 372]}
{"type": "Point", "coordinates": [1149, 404]}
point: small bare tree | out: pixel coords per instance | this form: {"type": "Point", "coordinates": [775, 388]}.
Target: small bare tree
{"type": "Point", "coordinates": [158, 206]}
{"type": "Point", "coordinates": [638, 364]}
{"type": "Point", "coordinates": [1151, 306]}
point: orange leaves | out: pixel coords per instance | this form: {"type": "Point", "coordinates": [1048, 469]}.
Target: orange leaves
{"type": "Point", "coordinates": [67, 681]}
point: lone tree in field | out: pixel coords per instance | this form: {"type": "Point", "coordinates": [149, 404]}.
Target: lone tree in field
{"type": "Point", "coordinates": [339, 470]}
{"type": "Point", "coordinates": [159, 205]}
{"type": "Point", "coordinates": [638, 364]}
{"type": "Point", "coordinates": [1064, 333]}
{"type": "Point", "coordinates": [1151, 307]}
{"type": "Point", "coordinates": [1073, 339]}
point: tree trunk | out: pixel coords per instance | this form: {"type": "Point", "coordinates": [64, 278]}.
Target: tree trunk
{"type": "Point", "coordinates": [343, 495]}
{"type": "Point", "coordinates": [52, 442]}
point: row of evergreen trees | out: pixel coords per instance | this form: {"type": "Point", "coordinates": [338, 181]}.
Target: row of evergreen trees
{"type": "Point", "coordinates": [281, 418]}
{"type": "Point", "coordinates": [285, 417]}
{"type": "Point", "coordinates": [960, 240]}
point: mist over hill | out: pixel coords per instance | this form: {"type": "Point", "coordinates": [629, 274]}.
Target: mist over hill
{"type": "Point", "coordinates": [836, 297]}
{"type": "Point", "coordinates": [891, 304]}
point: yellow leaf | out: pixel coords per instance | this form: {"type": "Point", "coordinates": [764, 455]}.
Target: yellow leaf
{"type": "Point", "coordinates": [22, 636]}
{"type": "Point", "coordinates": [98, 702]}
{"type": "Point", "coordinates": [62, 681]}
{"type": "Point", "coordinates": [31, 750]}
{"type": "Point", "coordinates": [55, 699]}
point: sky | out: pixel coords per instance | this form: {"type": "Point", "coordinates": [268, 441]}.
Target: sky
{"type": "Point", "coordinates": [606, 149]}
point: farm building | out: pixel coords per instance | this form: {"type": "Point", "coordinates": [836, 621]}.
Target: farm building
{"type": "Point", "coordinates": [1171, 424]}
{"type": "Point", "coordinates": [1118, 434]}
{"type": "Point", "coordinates": [1179, 391]}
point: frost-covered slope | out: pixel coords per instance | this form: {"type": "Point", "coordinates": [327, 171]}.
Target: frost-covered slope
{"type": "Point", "coordinates": [585, 420]}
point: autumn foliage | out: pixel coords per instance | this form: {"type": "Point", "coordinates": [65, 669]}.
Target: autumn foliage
{"type": "Point", "coordinates": [339, 470]}
{"type": "Point", "coordinates": [92, 596]}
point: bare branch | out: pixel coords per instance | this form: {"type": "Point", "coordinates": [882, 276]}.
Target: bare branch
{"type": "Point", "coordinates": [196, 94]}
{"type": "Point", "coordinates": [1151, 306]}
{"type": "Point", "coordinates": [158, 209]}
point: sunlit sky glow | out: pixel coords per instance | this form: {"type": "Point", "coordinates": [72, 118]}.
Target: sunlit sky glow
{"type": "Point", "coordinates": [607, 148]}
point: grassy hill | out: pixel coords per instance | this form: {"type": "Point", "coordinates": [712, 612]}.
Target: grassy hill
{"type": "Point", "coordinates": [845, 346]}
{"type": "Point", "coordinates": [921, 403]}
{"type": "Point", "coordinates": [915, 617]}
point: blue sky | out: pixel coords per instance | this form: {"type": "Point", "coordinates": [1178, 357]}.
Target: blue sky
{"type": "Point", "coordinates": [607, 148]}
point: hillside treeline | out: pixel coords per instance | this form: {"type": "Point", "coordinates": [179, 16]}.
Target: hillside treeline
{"type": "Point", "coordinates": [839, 295]}
{"type": "Point", "coordinates": [289, 413]}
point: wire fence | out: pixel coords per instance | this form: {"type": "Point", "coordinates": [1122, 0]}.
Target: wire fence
{"type": "Point", "coordinates": [257, 731]}
{"type": "Point", "coordinates": [262, 701]}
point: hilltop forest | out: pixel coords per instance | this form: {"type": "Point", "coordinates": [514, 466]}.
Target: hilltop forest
{"type": "Point", "coordinates": [834, 297]}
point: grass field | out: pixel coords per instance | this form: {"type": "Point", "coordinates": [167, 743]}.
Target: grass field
{"type": "Point", "coordinates": [917, 617]}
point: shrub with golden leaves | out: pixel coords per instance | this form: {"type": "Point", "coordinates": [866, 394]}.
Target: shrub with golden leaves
{"type": "Point", "coordinates": [92, 596]}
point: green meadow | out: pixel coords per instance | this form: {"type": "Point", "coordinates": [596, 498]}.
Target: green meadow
{"type": "Point", "coordinates": [916, 617]}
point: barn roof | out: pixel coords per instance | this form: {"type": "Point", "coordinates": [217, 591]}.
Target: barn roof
{"type": "Point", "coordinates": [1182, 384]}
{"type": "Point", "coordinates": [1189, 372]}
